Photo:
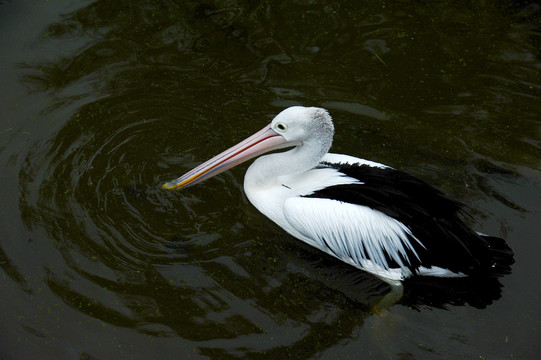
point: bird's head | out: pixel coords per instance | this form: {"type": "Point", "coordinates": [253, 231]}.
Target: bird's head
{"type": "Point", "coordinates": [299, 124]}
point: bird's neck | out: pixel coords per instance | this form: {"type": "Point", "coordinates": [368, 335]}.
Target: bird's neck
{"type": "Point", "coordinates": [266, 169]}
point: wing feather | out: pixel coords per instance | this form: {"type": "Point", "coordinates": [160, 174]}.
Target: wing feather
{"type": "Point", "coordinates": [353, 233]}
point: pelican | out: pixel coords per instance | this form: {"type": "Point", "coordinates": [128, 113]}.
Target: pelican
{"type": "Point", "coordinates": [369, 215]}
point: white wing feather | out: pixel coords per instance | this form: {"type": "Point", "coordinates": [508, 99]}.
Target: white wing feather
{"type": "Point", "coordinates": [355, 234]}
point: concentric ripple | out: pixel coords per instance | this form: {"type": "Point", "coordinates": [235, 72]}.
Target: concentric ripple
{"type": "Point", "coordinates": [95, 190]}
{"type": "Point", "coordinates": [95, 180]}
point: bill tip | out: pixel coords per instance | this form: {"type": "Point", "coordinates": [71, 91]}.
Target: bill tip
{"type": "Point", "coordinates": [168, 185]}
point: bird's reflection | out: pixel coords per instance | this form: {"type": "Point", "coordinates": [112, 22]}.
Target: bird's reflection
{"type": "Point", "coordinates": [418, 292]}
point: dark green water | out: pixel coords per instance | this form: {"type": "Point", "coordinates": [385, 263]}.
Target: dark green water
{"type": "Point", "coordinates": [103, 101]}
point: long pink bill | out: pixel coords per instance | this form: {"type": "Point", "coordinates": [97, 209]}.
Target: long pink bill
{"type": "Point", "coordinates": [261, 142]}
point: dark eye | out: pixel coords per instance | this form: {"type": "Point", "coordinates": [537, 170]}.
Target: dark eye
{"type": "Point", "coordinates": [281, 127]}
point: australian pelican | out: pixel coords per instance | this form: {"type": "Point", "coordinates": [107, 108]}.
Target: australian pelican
{"type": "Point", "coordinates": [366, 214]}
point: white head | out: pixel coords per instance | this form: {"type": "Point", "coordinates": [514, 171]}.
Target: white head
{"type": "Point", "coordinates": [305, 125]}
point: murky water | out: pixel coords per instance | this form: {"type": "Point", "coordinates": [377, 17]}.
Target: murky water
{"type": "Point", "coordinates": [103, 101]}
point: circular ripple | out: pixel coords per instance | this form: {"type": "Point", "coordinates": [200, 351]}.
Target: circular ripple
{"type": "Point", "coordinates": [101, 177]}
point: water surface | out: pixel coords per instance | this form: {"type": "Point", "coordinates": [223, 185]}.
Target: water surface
{"type": "Point", "coordinates": [103, 101]}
